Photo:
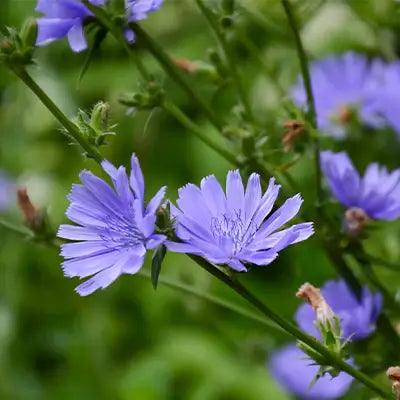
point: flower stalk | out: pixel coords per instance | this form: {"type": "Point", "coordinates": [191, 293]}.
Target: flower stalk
{"type": "Point", "coordinates": [331, 358]}
{"type": "Point", "coordinates": [173, 71]}
{"type": "Point", "coordinates": [237, 81]}
{"type": "Point", "coordinates": [70, 127]}
{"type": "Point", "coordinates": [312, 116]}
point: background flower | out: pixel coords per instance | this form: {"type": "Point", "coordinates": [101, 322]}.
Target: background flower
{"type": "Point", "coordinates": [377, 192]}
{"type": "Point", "coordinates": [115, 228]}
{"type": "Point", "coordinates": [6, 191]}
{"type": "Point", "coordinates": [342, 84]}
{"type": "Point", "coordinates": [357, 317]}
{"type": "Point", "coordinates": [231, 229]}
{"type": "Point", "coordinates": [294, 371]}
{"type": "Point", "coordinates": [63, 18]}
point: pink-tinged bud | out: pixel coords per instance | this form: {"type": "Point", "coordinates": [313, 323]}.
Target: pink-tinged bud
{"type": "Point", "coordinates": [393, 373]}
{"type": "Point", "coordinates": [355, 221]}
{"type": "Point", "coordinates": [313, 296]}
{"type": "Point", "coordinates": [185, 65]}
{"type": "Point", "coordinates": [345, 115]}
{"type": "Point", "coordinates": [32, 217]}
{"type": "Point", "coordinates": [294, 129]}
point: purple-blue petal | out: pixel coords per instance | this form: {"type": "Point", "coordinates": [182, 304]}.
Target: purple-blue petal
{"type": "Point", "coordinates": [294, 372]}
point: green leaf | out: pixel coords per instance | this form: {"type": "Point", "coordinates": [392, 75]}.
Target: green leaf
{"type": "Point", "coordinates": [156, 262]}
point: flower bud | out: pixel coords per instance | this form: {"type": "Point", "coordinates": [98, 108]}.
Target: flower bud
{"type": "Point", "coordinates": [294, 130]}
{"type": "Point", "coordinates": [393, 373]}
{"type": "Point", "coordinates": [184, 64]}
{"type": "Point", "coordinates": [355, 221]}
{"type": "Point", "coordinates": [327, 322]}
{"type": "Point", "coordinates": [99, 117]}
{"type": "Point", "coordinates": [32, 217]}
{"type": "Point", "coordinates": [29, 32]}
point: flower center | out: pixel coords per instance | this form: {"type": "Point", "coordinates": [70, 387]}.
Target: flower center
{"type": "Point", "coordinates": [233, 226]}
{"type": "Point", "coordinates": [121, 233]}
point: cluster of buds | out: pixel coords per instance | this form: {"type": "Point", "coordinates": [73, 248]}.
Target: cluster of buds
{"type": "Point", "coordinates": [95, 126]}
{"type": "Point", "coordinates": [151, 96]}
{"type": "Point", "coordinates": [328, 325]}
{"type": "Point", "coordinates": [16, 48]}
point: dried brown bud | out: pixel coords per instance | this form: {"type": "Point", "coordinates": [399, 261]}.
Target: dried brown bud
{"type": "Point", "coordinates": [345, 115]}
{"type": "Point", "coordinates": [185, 65]}
{"type": "Point", "coordinates": [313, 296]}
{"type": "Point", "coordinates": [393, 373]}
{"type": "Point", "coordinates": [294, 129]}
{"type": "Point", "coordinates": [355, 219]}
{"type": "Point", "coordinates": [31, 215]}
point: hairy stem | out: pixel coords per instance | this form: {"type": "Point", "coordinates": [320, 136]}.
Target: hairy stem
{"type": "Point", "coordinates": [231, 63]}
{"type": "Point", "coordinates": [312, 116]}
{"type": "Point", "coordinates": [116, 31]}
{"type": "Point", "coordinates": [290, 328]}
{"type": "Point", "coordinates": [188, 123]}
{"type": "Point", "coordinates": [69, 126]}
{"type": "Point", "coordinates": [169, 67]}
{"type": "Point", "coordinates": [189, 289]}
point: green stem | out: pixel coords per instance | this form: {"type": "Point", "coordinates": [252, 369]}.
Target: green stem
{"type": "Point", "coordinates": [189, 289]}
{"type": "Point", "coordinates": [116, 31]}
{"type": "Point", "coordinates": [188, 123]}
{"type": "Point", "coordinates": [380, 261]}
{"type": "Point", "coordinates": [16, 229]}
{"type": "Point", "coordinates": [290, 328]}
{"type": "Point", "coordinates": [164, 60]}
{"type": "Point", "coordinates": [312, 116]}
{"type": "Point", "coordinates": [237, 81]}
{"type": "Point", "coordinates": [71, 128]}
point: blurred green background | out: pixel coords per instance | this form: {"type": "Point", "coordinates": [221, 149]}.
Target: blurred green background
{"type": "Point", "coordinates": [128, 341]}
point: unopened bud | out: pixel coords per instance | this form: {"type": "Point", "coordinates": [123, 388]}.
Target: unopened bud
{"type": "Point", "coordinates": [29, 32]}
{"type": "Point", "coordinates": [32, 217]}
{"type": "Point", "coordinates": [313, 296]}
{"type": "Point", "coordinates": [355, 221]}
{"type": "Point", "coordinates": [294, 129]}
{"type": "Point", "coordinates": [99, 117]}
{"type": "Point", "coordinates": [393, 373]}
{"type": "Point", "coordinates": [345, 115]}
{"type": "Point", "coordinates": [184, 65]}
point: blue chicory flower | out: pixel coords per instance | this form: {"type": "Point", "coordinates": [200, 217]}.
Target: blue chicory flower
{"type": "Point", "coordinates": [357, 317]}
{"type": "Point", "coordinates": [340, 85]}
{"type": "Point", "coordinates": [387, 98]}
{"type": "Point", "coordinates": [292, 368]}
{"type": "Point", "coordinates": [115, 229]}
{"type": "Point", "coordinates": [66, 18]}
{"type": "Point", "coordinates": [232, 229]}
{"type": "Point", "coordinates": [63, 18]}
{"type": "Point", "coordinates": [294, 371]}
{"type": "Point", "coordinates": [377, 193]}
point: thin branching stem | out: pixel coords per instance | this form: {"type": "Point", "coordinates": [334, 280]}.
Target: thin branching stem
{"type": "Point", "coordinates": [169, 67]}
{"type": "Point", "coordinates": [312, 116]}
{"type": "Point", "coordinates": [191, 290]}
{"type": "Point", "coordinates": [231, 62]}
{"type": "Point", "coordinates": [290, 328]}
{"type": "Point", "coordinates": [188, 123]}
{"type": "Point", "coordinates": [69, 126]}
